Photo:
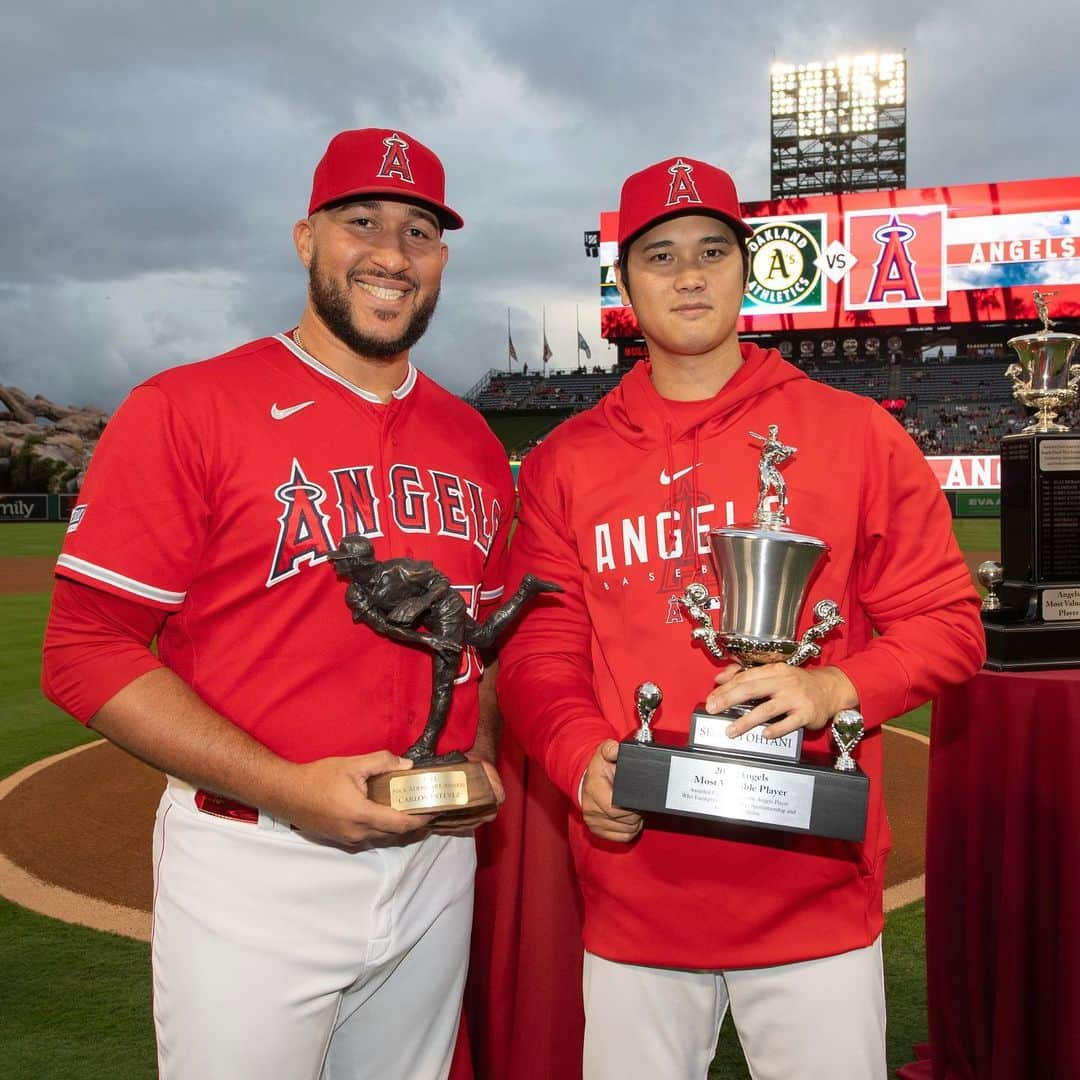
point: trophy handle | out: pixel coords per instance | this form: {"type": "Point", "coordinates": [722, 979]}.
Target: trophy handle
{"type": "Point", "coordinates": [1074, 376]}
{"type": "Point", "coordinates": [828, 615]}
{"type": "Point", "coordinates": [694, 600]}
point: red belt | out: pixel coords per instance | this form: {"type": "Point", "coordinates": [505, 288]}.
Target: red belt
{"type": "Point", "coordinates": [219, 806]}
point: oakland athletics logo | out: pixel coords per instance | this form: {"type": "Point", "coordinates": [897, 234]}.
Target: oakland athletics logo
{"type": "Point", "coordinates": [682, 189]}
{"type": "Point", "coordinates": [784, 271]}
{"type": "Point", "coordinates": [395, 162]}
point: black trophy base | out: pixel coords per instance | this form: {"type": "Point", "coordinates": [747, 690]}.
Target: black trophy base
{"type": "Point", "coordinates": [1021, 645]}
{"type": "Point", "coordinates": [793, 796]}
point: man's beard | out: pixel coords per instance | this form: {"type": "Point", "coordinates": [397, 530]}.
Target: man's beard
{"type": "Point", "coordinates": [331, 304]}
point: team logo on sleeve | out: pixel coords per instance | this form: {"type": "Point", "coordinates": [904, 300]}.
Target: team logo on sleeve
{"type": "Point", "coordinates": [900, 257]}
{"type": "Point", "coordinates": [395, 162]}
{"type": "Point", "coordinates": [682, 189]}
{"type": "Point", "coordinates": [76, 517]}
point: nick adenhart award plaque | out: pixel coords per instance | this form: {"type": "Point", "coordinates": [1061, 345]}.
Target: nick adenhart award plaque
{"type": "Point", "coordinates": [1032, 611]}
{"type": "Point", "coordinates": [764, 570]}
{"type": "Point", "coordinates": [410, 601]}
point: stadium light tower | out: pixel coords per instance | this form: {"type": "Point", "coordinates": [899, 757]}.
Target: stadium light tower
{"type": "Point", "coordinates": [839, 126]}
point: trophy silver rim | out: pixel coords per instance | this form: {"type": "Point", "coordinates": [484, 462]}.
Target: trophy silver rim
{"type": "Point", "coordinates": [772, 534]}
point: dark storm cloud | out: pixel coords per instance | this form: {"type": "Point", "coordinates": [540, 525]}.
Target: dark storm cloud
{"type": "Point", "coordinates": [156, 155]}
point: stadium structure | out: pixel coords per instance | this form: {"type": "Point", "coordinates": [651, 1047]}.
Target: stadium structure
{"type": "Point", "coordinates": [906, 295]}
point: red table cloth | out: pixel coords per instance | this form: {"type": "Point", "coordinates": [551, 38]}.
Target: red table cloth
{"type": "Point", "coordinates": [1003, 878]}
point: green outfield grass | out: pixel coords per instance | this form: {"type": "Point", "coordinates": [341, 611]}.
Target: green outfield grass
{"type": "Point", "coordinates": [978, 534]}
{"type": "Point", "coordinates": [73, 1002]}
{"type": "Point", "coordinates": [514, 431]}
{"type": "Point", "coordinates": [30, 727]}
{"type": "Point", "coordinates": [31, 538]}
{"type": "Point", "coordinates": [76, 1003]}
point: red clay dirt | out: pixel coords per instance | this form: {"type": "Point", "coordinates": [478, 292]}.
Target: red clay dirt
{"type": "Point", "coordinates": [86, 822]}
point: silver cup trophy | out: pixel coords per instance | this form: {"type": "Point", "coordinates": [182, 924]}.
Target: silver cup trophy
{"type": "Point", "coordinates": [764, 571]}
{"type": "Point", "coordinates": [1044, 378]}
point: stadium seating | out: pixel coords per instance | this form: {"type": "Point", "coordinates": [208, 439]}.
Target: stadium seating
{"type": "Point", "coordinates": [950, 408]}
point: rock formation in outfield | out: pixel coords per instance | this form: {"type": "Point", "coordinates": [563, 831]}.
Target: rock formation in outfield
{"type": "Point", "coordinates": [44, 446]}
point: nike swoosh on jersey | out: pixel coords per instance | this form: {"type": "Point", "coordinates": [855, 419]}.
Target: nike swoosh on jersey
{"type": "Point", "coordinates": [283, 414]}
{"type": "Point", "coordinates": [665, 479]}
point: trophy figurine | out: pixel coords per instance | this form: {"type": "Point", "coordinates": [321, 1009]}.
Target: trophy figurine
{"type": "Point", "coordinates": [1031, 614]}
{"type": "Point", "coordinates": [764, 570]}
{"type": "Point", "coordinates": [647, 698]}
{"type": "Point", "coordinates": [410, 601]}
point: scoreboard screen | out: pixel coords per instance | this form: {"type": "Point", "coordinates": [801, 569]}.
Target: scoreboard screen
{"type": "Point", "coordinates": [917, 256]}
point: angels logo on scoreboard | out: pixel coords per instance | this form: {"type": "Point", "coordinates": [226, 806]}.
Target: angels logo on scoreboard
{"type": "Point", "coordinates": [900, 253]}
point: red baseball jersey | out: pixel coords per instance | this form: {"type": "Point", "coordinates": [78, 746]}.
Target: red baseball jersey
{"type": "Point", "coordinates": [218, 491]}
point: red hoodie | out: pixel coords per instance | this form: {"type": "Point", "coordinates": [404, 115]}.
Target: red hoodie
{"type": "Point", "coordinates": [616, 505]}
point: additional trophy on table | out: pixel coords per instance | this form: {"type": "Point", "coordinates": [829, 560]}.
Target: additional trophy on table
{"type": "Point", "coordinates": [1032, 612]}
{"type": "Point", "coordinates": [411, 602]}
{"type": "Point", "coordinates": [763, 571]}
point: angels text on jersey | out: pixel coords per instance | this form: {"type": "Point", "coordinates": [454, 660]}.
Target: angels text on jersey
{"type": "Point", "coordinates": [316, 513]}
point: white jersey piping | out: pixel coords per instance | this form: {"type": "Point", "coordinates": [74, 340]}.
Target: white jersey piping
{"type": "Point", "coordinates": [305, 357]}
{"type": "Point", "coordinates": [111, 577]}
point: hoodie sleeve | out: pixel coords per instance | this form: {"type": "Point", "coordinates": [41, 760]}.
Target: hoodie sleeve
{"type": "Point", "coordinates": [911, 580]}
{"type": "Point", "coordinates": [545, 668]}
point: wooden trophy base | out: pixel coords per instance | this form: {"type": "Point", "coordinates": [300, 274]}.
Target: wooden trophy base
{"type": "Point", "coordinates": [434, 789]}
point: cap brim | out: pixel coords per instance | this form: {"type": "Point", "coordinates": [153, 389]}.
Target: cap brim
{"type": "Point", "coordinates": [741, 229]}
{"type": "Point", "coordinates": [449, 219]}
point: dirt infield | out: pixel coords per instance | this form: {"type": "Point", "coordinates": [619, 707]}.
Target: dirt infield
{"type": "Point", "coordinates": [84, 823]}
{"type": "Point", "coordinates": [26, 574]}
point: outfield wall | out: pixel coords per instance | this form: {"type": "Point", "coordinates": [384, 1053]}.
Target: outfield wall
{"type": "Point", "coordinates": [36, 507]}
{"type": "Point", "coordinates": [971, 483]}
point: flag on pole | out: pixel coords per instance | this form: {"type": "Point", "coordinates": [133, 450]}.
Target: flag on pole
{"type": "Point", "coordinates": [547, 350]}
{"type": "Point", "coordinates": [583, 346]}
{"type": "Point", "coordinates": [510, 346]}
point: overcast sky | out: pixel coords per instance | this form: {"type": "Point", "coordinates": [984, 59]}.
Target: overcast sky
{"type": "Point", "coordinates": [155, 155]}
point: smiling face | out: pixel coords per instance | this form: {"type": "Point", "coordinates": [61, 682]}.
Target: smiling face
{"type": "Point", "coordinates": [684, 278]}
{"type": "Point", "coordinates": [374, 269]}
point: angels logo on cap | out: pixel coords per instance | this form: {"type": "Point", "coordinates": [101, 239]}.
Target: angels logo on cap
{"type": "Point", "coordinates": [678, 185]}
{"type": "Point", "coordinates": [395, 161]}
{"type": "Point", "coordinates": [373, 162]}
{"type": "Point", "coordinates": [682, 184]}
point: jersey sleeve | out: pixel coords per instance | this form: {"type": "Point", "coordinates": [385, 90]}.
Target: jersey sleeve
{"type": "Point", "coordinates": [912, 582]}
{"type": "Point", "coordinates": [95, 644]}
{"type": "Point", "coordinates": [143, 511]}
{"type": "Point", "coordinates": [545, 667]}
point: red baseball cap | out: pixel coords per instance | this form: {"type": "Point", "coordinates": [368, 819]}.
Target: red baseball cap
{"type": "Point", "coordinates": [380, 161]}
{"type": "Point", "coordinates": [679, 185]}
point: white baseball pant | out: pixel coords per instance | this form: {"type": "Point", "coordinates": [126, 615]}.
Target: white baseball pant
{"type": "Point", "coordinates": [815, 1020]}
{"type": "Point", "coordinates": [278, 957]}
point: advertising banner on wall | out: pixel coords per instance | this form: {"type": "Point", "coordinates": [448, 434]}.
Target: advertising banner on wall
{"type": "Point", "coordinates": [914, 257]}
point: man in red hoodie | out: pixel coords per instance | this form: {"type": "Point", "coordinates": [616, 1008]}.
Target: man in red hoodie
{"type": "Point", "coordinates": [683, 920]}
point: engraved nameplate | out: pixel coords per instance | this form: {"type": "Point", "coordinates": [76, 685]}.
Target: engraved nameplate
{"type": "Point", "coordinates": [741, 792]}
{"type": "Point", "coordinates": [708, 733]}
{"type": "Point", "coordinates": [1059, 455]}
{"type": "Point", "coordinates": [447, 787]}
{"type": "Point", "coordinates": [1061, 605]}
